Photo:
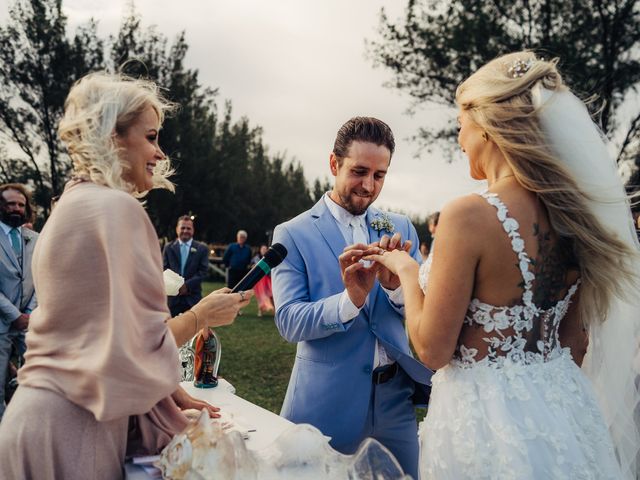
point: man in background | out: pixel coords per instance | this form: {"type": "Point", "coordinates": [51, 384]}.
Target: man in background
{"type": "Point", "coordinates": [190, 259]}
{"type": "Point", "coordinates": [237, 258]}
{"type": "Point", "coordinates": [17, 294]}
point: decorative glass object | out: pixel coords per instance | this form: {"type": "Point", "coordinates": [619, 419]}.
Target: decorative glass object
{"type": "Point", "coordinates": [186, 353]}
{"type": "Point", "coordinates": [206, 360]}
{"type": "Point", "coordinates": [200, 360]}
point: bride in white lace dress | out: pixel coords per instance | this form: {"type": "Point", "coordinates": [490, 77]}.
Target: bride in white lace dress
{"type": "Point", "coordinates": [519, 284]}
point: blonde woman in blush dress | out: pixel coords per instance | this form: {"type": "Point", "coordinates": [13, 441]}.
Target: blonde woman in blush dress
{"type": "Point", "coordinates": [101, 346]}
{"type": "Point", "coordinates": [528, 281]}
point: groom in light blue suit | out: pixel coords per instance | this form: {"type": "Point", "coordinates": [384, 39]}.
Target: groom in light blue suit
{"type": "Point", "coordinates": [354, 376]}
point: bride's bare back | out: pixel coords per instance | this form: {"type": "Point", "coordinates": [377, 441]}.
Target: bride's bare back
{"type": "Point", "coordinates": [525, 280]}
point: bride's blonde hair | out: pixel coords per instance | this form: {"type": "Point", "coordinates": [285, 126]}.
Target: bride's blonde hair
{"type": "Point", "coordinates": [98, 107]}
{"type": "Point", "coordinates": [498, 99]}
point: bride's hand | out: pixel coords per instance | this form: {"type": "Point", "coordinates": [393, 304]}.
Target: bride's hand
{"type": "Point", "coordinates": [387, 278]}
{"type": "Point", "coordinates": [394, 260]}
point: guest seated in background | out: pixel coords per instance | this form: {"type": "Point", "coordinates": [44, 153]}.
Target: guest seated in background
{"type": "Point", "coordinates": [102, 346]}
{"type": "Point", "coordinates": [187, 258]}
{"type": "Point", "coordinates": [262, 290]}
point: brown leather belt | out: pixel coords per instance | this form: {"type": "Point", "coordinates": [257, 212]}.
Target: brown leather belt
{"type": "Point", "coordinates": [384, 374]}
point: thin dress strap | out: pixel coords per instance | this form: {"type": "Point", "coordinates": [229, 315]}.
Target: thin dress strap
{"type": "Point", "coordinates": [511, 227]}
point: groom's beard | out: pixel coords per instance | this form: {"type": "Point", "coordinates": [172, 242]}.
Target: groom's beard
{"type": "Point", "coordinates": [355, 204]}
{"type": "Point", "coordinates": [12, 219]}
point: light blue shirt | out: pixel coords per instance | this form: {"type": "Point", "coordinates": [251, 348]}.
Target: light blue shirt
{"type": "Point", "coordinates": [6, 229]}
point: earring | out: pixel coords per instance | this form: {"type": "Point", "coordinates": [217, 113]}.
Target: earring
{"type": "Point", "coordinates": [485, 135]}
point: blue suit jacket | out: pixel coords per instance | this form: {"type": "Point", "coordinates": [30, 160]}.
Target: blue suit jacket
{"type": "Point", "coordinates": [17, 293]}
{"type": "Point", "coordinates": [195, 270]}
{"type": "Point", "coordinates": [331, 382]}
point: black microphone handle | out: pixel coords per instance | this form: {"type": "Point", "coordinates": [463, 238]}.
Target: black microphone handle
{"type": "Point", "coordinates": [249, 280]}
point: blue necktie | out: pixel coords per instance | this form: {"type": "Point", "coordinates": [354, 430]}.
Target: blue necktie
{"type": "Point", "coordinates": [15, 241]}
{"type": "Point", "coordinates": [184, 253]}
{"type": "Point", "coordinates": [359, 234]}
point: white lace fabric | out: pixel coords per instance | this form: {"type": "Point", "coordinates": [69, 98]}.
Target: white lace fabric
{"type": "Point", "coordinates": [524, 332]}
{"type": "Point", "coordinates": [512, 403]}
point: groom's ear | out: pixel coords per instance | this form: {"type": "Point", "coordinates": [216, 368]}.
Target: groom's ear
{"type": "Point", "coordinates": [333, 164]}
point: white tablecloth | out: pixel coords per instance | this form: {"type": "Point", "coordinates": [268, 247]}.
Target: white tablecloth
{"type": "Point", "coordinates": [268, 426]}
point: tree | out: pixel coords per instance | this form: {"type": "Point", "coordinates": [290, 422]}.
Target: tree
{"type": "Point", "coordinates": [38, 65]}
{"type": "Point", "coordinates": [441, 42]}
{"type": "Point", "coordinates": [224, 175]}
{"type": "Point", "coordinates": [320, 188]}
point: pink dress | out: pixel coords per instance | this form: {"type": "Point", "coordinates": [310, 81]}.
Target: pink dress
{"type": "Point", "coordinates": [99, 351]}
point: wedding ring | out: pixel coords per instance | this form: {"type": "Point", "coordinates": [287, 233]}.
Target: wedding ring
{"type": "Point", "coordinates": [242, 296]}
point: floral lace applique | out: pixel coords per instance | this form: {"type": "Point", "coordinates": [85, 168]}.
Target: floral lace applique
{"type": "Point", "coordinates": [522, 333]}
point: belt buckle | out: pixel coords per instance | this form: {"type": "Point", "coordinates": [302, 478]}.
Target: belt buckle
{"type": "Point", "coordinates": [385, 375]}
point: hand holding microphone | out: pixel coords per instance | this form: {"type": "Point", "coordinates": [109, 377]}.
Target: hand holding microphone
{"type": "Point", "coordinates": [220, 307]}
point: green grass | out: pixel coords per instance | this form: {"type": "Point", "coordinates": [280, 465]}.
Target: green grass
{"type": "Point", "coordinates": [256, 359]}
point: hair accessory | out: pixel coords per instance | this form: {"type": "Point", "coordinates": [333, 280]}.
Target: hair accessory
{"type": "Point", "coordinates": [519, 67]}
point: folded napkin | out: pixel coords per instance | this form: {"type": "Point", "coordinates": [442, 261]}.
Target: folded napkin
{"type": "Point", "coordinates": [172, 282]}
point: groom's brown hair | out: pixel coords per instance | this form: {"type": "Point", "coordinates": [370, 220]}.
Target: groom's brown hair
{"type": "Point", "coordinates": [363, 129]}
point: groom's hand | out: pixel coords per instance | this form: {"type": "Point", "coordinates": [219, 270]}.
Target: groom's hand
{"type": "Point", "coordinates": [387, 279]}
{"type": "Point", "coordinates": [358, 279]}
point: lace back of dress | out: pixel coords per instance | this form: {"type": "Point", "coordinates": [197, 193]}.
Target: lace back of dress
{"type": "Point", "coordinates": [521, 333]}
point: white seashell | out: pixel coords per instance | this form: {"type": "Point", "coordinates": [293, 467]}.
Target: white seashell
{"type": "Point", "coordinates": [204, 451]}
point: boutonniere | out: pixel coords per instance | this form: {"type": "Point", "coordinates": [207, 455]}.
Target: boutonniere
{"type": "Point", "coordinates": [383, 222]}
{"type": "Point", "coordinates": [27, 240]}
{"type": "Point", "coordinates": [193, 250]}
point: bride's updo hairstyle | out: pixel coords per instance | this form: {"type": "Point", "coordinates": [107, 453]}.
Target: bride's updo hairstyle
{"type": "Point", "coordinates": [498, 98]}
{"type": "Point", "coordinates": [99, 106]}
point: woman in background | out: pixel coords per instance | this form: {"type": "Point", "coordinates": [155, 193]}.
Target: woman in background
{"type": "Point", "coordinates": [262, 289]}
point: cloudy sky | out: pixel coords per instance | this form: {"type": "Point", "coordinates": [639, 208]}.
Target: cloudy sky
{"type": "Point", "coordinates": [298, 69]}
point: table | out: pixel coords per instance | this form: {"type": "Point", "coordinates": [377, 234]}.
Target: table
{"type": "Point", "coordinates": [268, 426]}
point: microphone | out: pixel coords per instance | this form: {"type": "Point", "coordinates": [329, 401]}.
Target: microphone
{"type": "Point", "coordinates": [274, 257]}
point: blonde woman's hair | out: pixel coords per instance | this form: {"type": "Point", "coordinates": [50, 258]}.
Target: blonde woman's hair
{"type": "Point", "coordinates": [99, 107]}
{"type": "Point", "coordinates": [501, 104]}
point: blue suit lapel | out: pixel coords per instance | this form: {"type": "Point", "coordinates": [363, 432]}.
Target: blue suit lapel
{"type": "Point", "coordinates": [328, 228]}
{"type": "Point", "coordinates": [176, 251]}
{"type": "Point", "coordinates": [6, 245]}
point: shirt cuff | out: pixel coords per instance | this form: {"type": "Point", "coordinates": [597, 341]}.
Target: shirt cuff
{"type": "Point", "coordinates": [347, 311]}
{"type": "Point", "coordinates": [395, 296]}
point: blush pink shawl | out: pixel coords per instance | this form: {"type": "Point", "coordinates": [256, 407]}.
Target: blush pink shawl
{"type": "Point", "coordinates": [98, 336]}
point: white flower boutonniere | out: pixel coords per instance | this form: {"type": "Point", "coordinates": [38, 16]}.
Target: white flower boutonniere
{"type": "Point", "coordinates": [193, 250]}
{"type": "Point", "coordinates": [383, 222]}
